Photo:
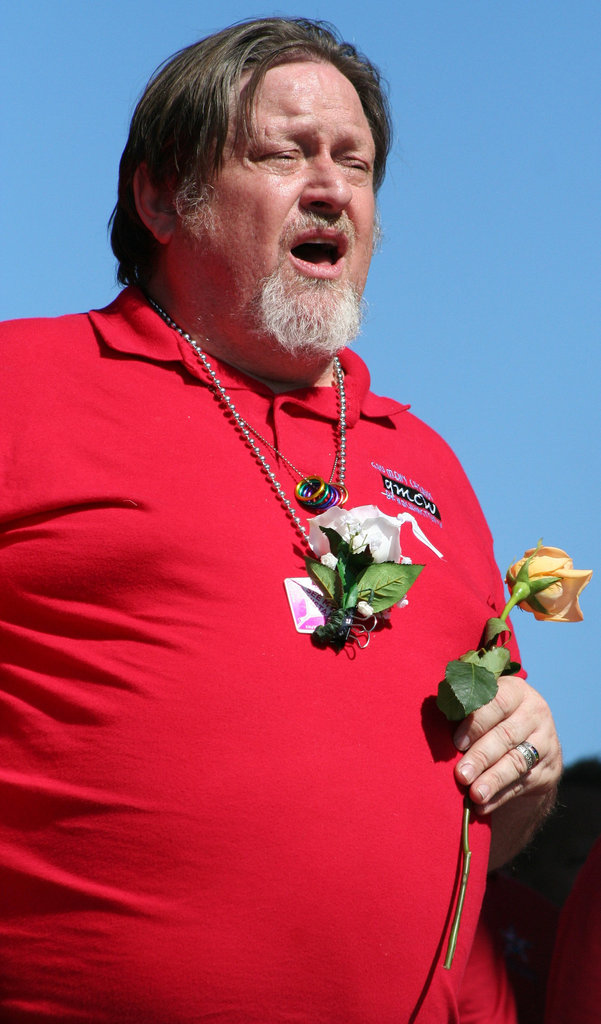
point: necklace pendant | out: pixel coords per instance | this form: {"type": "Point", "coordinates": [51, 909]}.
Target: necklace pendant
{"type": "Point", "coordinates": [314, 494]}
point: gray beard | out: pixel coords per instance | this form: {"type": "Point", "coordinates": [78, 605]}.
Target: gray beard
{"type": "Point", "coordinates": [311, 317]}
{"type": "Point", "coordinates": [306, 317]}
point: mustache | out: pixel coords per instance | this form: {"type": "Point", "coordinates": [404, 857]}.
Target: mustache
{"type": "Point", "coordinates": [310, 221]}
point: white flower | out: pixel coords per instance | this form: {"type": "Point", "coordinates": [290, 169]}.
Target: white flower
{"type": "Point", "coordinates": [387, 613]}
{"type": "Point", "coordinates": [360, 527]}
{"type": "Point", "coordinates": [357, 539]}
{"type": "Point", "coordinates": [329, 560]}
{"type": "Point", "coordinates": [364, 609]}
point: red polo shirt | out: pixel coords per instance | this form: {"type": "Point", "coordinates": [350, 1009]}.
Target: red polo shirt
{"type": "Point", "coordinates": [203, 817]}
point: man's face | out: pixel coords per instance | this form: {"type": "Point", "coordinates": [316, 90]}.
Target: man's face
{"type": "Point", "coordinates": [295, 204]}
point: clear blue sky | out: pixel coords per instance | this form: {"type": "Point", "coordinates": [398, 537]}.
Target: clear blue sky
{"type": "Point", "coordinates": [485, 308]}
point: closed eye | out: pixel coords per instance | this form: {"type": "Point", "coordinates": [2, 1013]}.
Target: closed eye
{"type": "Point", "coordinates": [356, 166]}
{"type": "Point", "coordinates": [283, 156]}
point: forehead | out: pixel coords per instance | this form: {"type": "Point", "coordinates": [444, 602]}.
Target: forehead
{"type": "Point", "coordinates": [311, 94]}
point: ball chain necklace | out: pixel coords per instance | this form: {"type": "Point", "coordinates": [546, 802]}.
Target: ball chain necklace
{"type": "Point", "coordinates": [312, 492]}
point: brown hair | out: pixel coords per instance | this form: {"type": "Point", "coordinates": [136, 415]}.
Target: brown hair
{"type": "Point", "coordinates": [180, 125]}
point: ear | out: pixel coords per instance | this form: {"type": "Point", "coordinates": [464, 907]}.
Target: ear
{"type": "Point", "coordinates": [155, 206]}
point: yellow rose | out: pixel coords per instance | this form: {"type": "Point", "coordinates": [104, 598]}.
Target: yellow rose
{"type": "Point", "coordinates": [557, 601]}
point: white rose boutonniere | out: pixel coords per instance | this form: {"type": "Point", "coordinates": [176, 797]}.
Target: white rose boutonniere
{"type": "Point", "coordinates": [360, 569]}
{"type": "Point", "coordinates": [361, 528]}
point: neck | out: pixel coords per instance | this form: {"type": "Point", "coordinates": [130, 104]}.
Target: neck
{"type": "Point", "coordinates": [312, 492]}
{"type": "Point", "coordinates": [324, 380]}
{"type": "Point", "coordinates": [254, 355]}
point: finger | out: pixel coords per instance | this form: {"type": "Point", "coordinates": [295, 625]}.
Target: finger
{"type": "Point", "coordinates": [529, 755]}
{"type": "Point", "coordinates": [490, 768]}
{"type": "Point", "coordinates": [511, 694]}
{"type": "Point", "coordinates": [541, 779]}
{"type": "Point", "coordinates": [512, 774]}
{"type": "Point", "coordinates": [493, 766]}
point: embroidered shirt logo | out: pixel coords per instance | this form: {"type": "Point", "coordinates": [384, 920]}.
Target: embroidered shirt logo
{"type": "Point", "coordinates": [409, 493]}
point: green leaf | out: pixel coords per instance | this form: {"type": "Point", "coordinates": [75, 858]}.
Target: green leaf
{"type": "Point", "coordinates": [496, 660]}
{"type": "Point", "coordinates": [341, 571]}
{"type": "Point", "coordinates": [473, 657]}
{"type": "Point", "coordinates": [360, 559]}
{"type": "Point", "coordinates": [387, 583]}
{"type": "Point", "coordinates": [493, 629]}
{"type": "Point", "coordinates": [326, 578]}
{"type": "Point", "coordinates": [448, 703]}
{"type": "Point", "coordinates": [341, 549]}
{"type": "Point", "coordinates": [338, 546]}
{"type": "Point", "coordinates": [465, 688]}
{"type": "Point", "coordinates": [512, 669]}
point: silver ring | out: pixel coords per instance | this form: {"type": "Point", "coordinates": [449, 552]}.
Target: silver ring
{"type": "Point", "coordinates": [529, 753]}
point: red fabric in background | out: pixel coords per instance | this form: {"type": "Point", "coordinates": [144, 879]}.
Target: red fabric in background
{"type": "Point", "coordinates": [574, 990]}
{"type": "Point", "coordinates": [486, 995]}
{"type": "Point", "coordinates": [203, 816]}
{"type": "Point", "coordinates": [506, 975]}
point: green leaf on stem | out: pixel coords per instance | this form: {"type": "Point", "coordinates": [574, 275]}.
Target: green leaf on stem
{"type": "Point", "coordinates": [465, 688]}
{"type": "Point", "coordinates": [341, 570]}
{"type": "Point", "coordinates": [473, 657]}
{"type": "Point", "coordinates": [496, 660]}
{"type": "Point", "coordinates": [327, 579]}
{"type": "Point", "coordinates": [493, 629]}
{"type": "Point", "coordinates": [386, 583]}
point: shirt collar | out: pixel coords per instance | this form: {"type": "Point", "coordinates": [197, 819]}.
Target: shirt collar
{"type": "Point", "coordinates": [131, 326]}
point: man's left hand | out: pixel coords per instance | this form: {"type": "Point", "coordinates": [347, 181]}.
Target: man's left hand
{"type": "Point", "coordinates": [496, 771]}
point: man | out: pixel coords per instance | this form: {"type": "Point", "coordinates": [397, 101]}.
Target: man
{"type": "Point", "coordinates": [207, 816]}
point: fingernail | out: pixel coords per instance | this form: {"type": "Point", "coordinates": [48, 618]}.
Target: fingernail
{"type": "Point", "coordinates": [484, 791]}
{"type": "Point", "coordinates": [467, 771]}
{"type": "Point", "coordinates": [461, 740]}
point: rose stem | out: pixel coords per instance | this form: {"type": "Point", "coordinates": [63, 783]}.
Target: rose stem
{"type": "Point", "coordinates": [466, 856]}
{"type": "Point", "coordinates": [519, 593]}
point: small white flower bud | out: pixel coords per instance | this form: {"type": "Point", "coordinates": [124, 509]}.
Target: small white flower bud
{"type": "Point", "coordinates": [364, 609]}
{"type": "Point", "coordinates": [358, 542]}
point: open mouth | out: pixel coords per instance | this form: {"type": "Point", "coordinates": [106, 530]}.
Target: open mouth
{"type": "Point", "coordinates": [317, 252]}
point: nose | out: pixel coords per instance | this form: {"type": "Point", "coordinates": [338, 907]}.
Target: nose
{"type": "Point", "coordinates": [327, 188]}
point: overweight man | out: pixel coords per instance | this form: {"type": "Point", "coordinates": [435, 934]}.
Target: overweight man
{"type": "Point", "coordinates": [206, 817]}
